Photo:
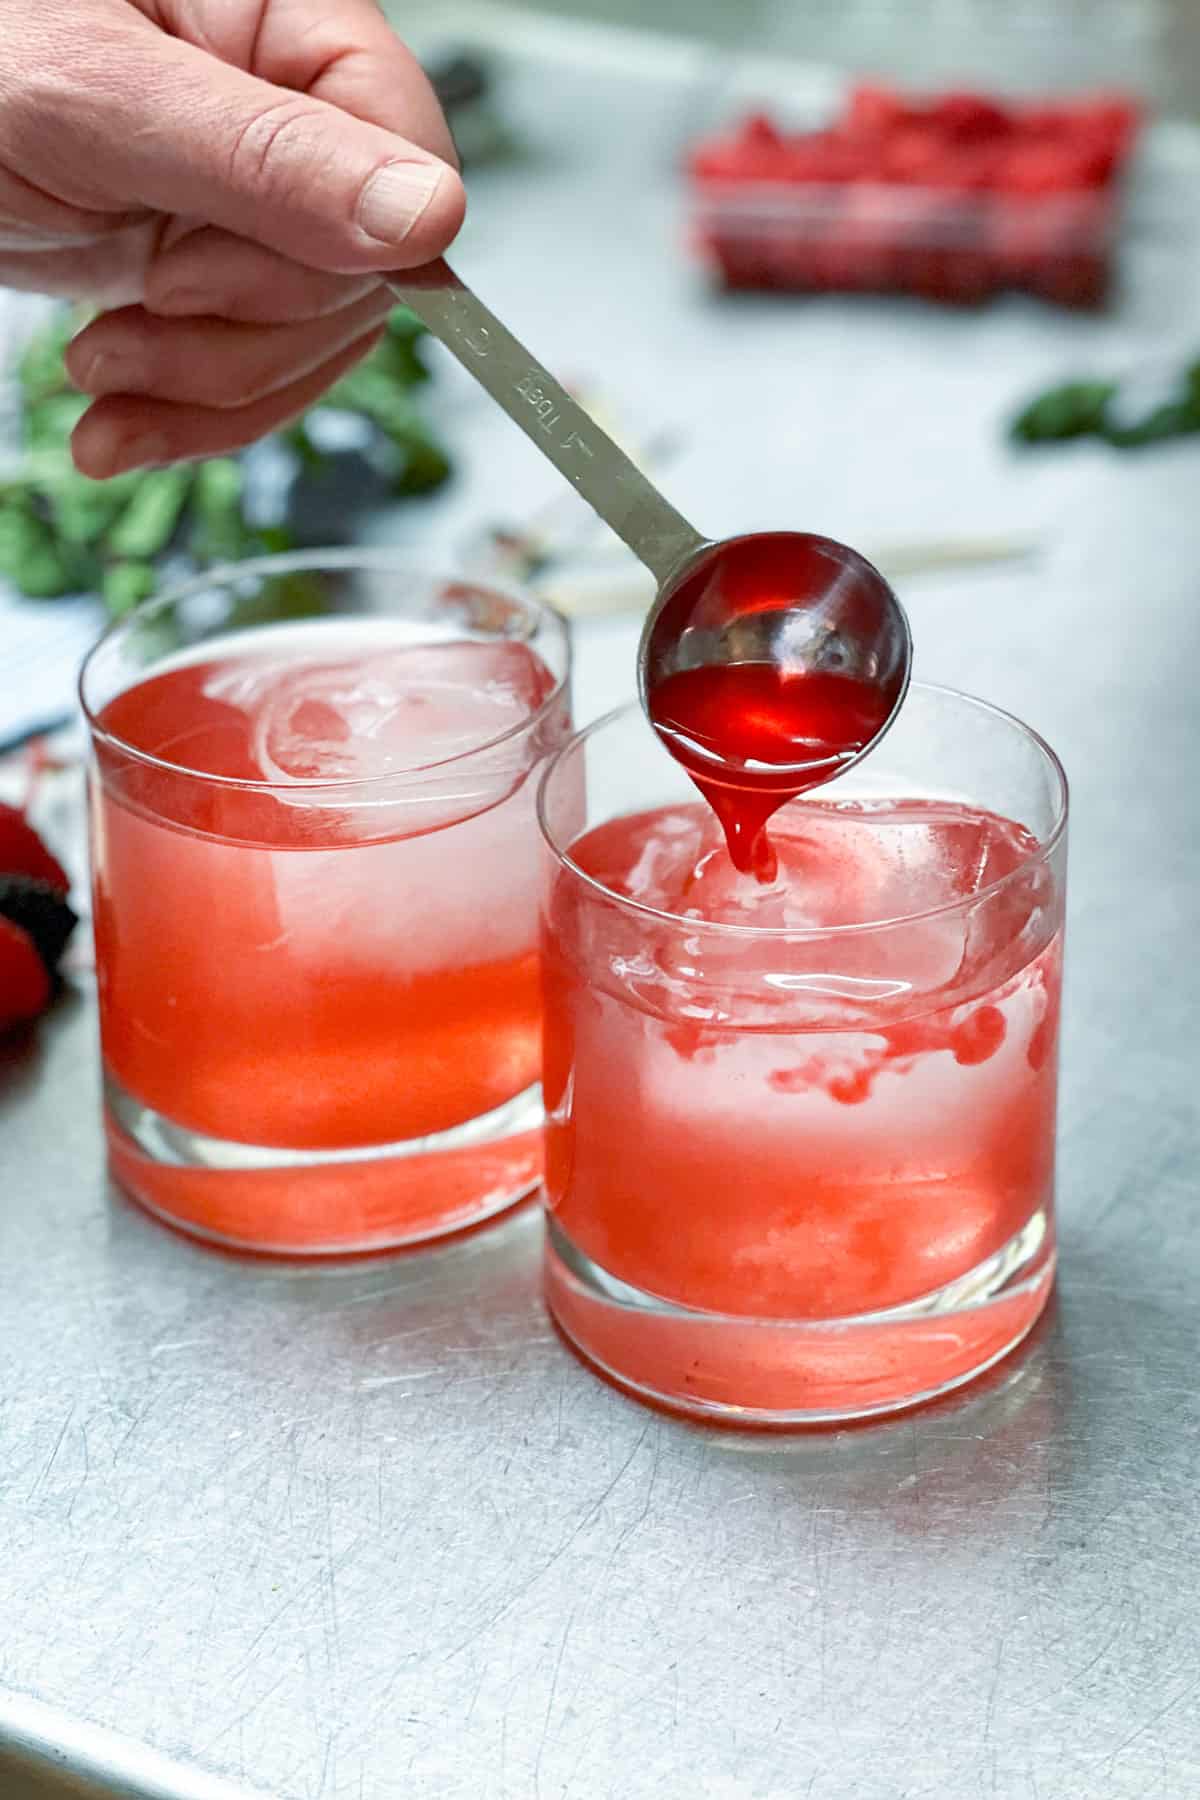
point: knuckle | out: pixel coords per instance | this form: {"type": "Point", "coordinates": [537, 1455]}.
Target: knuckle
{"type": "Point", "coordinates": [269, 150]}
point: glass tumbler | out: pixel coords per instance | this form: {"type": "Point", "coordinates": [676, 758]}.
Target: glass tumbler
{"type": "Point", "coordinates": [315, 871]}
{"type": "Point", "coordinates": [804, 1170]}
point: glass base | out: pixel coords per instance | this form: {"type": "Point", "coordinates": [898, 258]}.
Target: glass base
{"type": "Point", "coordinates": [730, 1369]}
{"type": "Point", "coordinates": [325, 1202]}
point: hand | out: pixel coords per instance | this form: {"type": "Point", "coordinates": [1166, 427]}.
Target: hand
{"type": "Point", "coordinates": [231, 176]}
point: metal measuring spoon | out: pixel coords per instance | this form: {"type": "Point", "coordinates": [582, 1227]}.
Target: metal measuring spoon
{"type": "Point", "coordinates": [825, 611]}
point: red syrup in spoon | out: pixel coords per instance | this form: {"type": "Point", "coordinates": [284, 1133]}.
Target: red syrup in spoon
{"type": "Point", "coordinates": [770, 667]}
{"type": "Point", "coordinates": [753, 737]}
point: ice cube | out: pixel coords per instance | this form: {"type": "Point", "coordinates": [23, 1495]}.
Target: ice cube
{"type": "Point", "coordinates": [354, 718]}
{"type": "Point", "coordinates": [432, 901]}
{"type": "Point", "coordinates": [902, 867]}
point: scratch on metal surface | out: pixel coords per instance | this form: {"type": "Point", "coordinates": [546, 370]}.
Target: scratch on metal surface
{"type": "Point", "coordinates": [40, 1482]}
{"type": "Point", "coordinates": [333, 1638]}
{"type": "Point", "coordinates": [306, 1587]}
{"type": "Point", "coordinates": [1148, 1724]}
{"type": "Point", "coordinates": [326, 1767]}
{"type": "Point", "coordinates": [476, 1691]}
{"type": "Point", "coordinates": [558, 1663]}
{"type": "Point", "coordinates": [989, 1713]}
{"type": "Point", "coordinates": [1073, 1680]}
{"type": "Point", "coordinates": [209, 1745]}
{"type": "Point", "coordinates": [87, 1469]}
{"type": "Point", "coordinates": [560, 1549]}
{"type": "Point", "coordinates": [627, 1530]}
{"type": "Point", "coordinates": [412, 1334]}
{"type": "Point", "coordinates": [503, 1749]}
{"type": "Point", "coordinates": [915, 1450]}
{"type": "Point", "coordinates": [367, 1382]}
{"type": "Point", "coordinates": [167, 1390]}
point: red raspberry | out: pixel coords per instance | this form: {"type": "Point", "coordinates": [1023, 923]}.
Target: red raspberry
{"type": "Point", "coordinates": [817, 157]}
{"type": "Point", "coordinates": [760, 128]}
{"type": "Point", "coordinates": [1098, 159]}
{"type": "Point", "coordinates": [1112, 116]}
{"type": "Point", "coordinates": [917, 154]}
{"type": "Point", "coordinates": [972, 118]}
{"type": "Point", "coordinates": [970, 169]}
{"type": "Point", "coordinates": [22, 851]}
{"type": "Point", "coordinates": [1042, 169]}
{"type": "Point", "coordinates": [874, 111]}
{"type": "Point", "coordinates": [25, 985]}
{"type": "Point", "coordinates": [1050, 119]}
{"type": "Point", "coordinates": [707, 161]}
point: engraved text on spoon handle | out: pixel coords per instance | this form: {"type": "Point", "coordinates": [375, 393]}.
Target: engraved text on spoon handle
{"type": "Point", "coordinates": [573, 442]}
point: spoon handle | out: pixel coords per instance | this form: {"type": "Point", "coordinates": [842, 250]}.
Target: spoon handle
{"type": "Point", "coordinates": [658, 535]}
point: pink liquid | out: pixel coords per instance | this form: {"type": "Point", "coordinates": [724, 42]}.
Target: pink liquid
{"type": "Point", "coordinates": [320, 969]}
{"type": "Point", "coordinates": [801, 1129]}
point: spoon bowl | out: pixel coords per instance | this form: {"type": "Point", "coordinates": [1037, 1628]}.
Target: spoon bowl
{"type": "Point", "coordinates": [793, 607]}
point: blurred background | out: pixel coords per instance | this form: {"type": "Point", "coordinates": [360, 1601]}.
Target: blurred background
{"type": "Point", "coordinates": [1020, 44]}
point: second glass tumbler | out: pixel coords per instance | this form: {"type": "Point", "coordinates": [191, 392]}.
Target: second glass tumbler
{"type": "Point", "coordinates": [315, 875]}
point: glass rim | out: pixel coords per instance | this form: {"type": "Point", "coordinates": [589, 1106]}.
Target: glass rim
{"type": "Point", "coordinates": [224, 574]}
{"type": "Point", "coordinates": [793, 933]}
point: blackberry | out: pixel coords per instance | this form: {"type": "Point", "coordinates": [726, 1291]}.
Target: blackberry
{"type": "Point", "coordinates": [41, 912]}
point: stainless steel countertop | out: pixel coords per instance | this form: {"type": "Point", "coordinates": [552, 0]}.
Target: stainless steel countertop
{"type": "Point", "coordinates": [366, 1532]}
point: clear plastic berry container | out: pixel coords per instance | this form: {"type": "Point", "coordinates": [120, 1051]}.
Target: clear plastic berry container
{"type": "Point", "coordinates": [954, 198]}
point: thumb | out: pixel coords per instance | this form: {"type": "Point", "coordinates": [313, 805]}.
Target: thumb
{"type": "Point", "coordinates": [184, 132]}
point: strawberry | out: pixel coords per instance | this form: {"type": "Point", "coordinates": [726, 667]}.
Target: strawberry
{"type": "Point", "coordinates": [25, 985]}
{"type": "Point", "coordinates": [22, 851]}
